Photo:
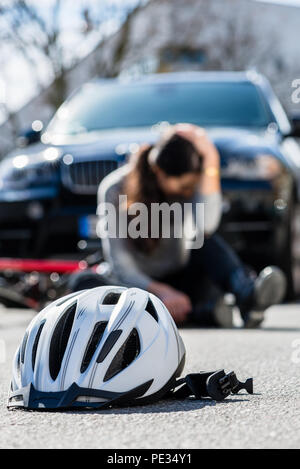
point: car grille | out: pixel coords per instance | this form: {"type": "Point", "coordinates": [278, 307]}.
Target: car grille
{"type": "Point", "coordinates": [84, 177]}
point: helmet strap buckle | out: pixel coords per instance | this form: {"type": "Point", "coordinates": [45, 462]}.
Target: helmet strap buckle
{"type": "Point", "coordinates": [215, 384]}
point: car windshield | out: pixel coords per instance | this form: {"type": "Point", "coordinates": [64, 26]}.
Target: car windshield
{"type": "Point", "coordinates": [99, 106]}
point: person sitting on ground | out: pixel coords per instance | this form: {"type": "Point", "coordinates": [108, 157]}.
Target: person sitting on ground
{"type": "Point", "coordinates": [183, 166]}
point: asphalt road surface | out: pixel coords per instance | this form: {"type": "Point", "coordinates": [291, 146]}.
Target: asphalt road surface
{"type": "Point", "coordinates": [268, 419]}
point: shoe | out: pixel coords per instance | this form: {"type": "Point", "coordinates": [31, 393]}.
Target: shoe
{"type": "Point", "coordinates": [269, 289]}
{"type": "Point", "coordinates": [254, 319]}
{"type": "Point", "coordinates": [223, 313]}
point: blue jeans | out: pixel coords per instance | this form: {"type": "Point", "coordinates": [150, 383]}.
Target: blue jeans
{"type": "Point", "coordinates": [217, 262]}
{"type": "Point", "coordinates": [211, 270]}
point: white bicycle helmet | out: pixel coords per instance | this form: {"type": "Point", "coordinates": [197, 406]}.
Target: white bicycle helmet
{"type": "Point", "coordinates": [95, 348]}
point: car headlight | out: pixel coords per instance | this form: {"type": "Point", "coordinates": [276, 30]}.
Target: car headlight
{"type": "Point", "coordinates": [24, 171]}
{"type": "Point", "coordinates": [261, 167]}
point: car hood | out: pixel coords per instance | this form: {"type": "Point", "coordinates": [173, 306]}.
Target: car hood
{"type": "Point", "coordinates": [113, 144]}
{"type": "Point", "coordinates": [245, 142]}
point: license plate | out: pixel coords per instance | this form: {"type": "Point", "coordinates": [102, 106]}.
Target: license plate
{"type": "Point", "coordinates": [87, 226]}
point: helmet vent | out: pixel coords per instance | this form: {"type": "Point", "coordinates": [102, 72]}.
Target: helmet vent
{"type": "Point", "coordinates": [67, 298]}
{"type": "Point", "coordinates": [93, 344]}
{"type": "Point", "coordinates": [18, 362]}
{"type": "Point", "coordinates": [125, 355]}
{"type": "Point", "coordinates": [60, 339]}
{"type": "Point", "coordinates": [111, 298]}
{"type": "Point", "coordinates": [36, 343]}
{"type": "Point", "coordinates": [23, 346]}
{"type": "Point", "coordinates": [151, 310]}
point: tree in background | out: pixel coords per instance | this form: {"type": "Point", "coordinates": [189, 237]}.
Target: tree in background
{"type": "Point", "coordinates": [53, 35]}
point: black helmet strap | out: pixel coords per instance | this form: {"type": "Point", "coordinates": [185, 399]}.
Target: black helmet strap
{"type": "Point", "coordinates": [214, 384]}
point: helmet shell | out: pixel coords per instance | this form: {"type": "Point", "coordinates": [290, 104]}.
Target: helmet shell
{"type": "Point", "coordinates": [95, 348]}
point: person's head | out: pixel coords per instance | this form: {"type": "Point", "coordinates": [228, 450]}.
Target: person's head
{"type": "Point", "coordinates": [176, 165]}
{"type": "Point", "coordinates": [171, 168]}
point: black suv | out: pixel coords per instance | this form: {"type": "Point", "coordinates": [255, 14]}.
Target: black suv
{"type": "Point", "coordinates": [48, 189]}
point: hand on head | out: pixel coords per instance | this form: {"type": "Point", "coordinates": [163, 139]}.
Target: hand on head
{"type": "Point", "coordinates": [198, 136]}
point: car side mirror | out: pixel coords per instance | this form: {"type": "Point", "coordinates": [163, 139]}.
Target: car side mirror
{"type": "Point", "coordinates": [295, 121]}
{"type": "Point", "coordinates": [30, 135]}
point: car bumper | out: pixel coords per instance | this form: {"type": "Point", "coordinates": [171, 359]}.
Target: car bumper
{"type": "Point", "coordinates": [40, 227]}
{"type": "Point", "coordinates": [252, 213]}
{"type": "Point", "coordinates": [255, 221]}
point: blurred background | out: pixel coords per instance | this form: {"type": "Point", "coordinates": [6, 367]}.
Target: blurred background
{"type": "Point", "coordinates": [49, 175]}
{"type": "Point", "coordinates": [49, 48]}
